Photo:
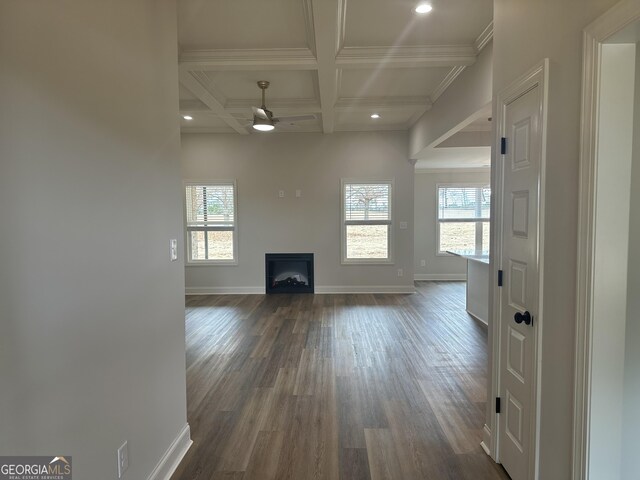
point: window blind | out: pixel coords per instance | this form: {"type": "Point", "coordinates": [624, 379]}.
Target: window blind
{"type": "Point", "coordinates": [210, 206]}
{"type": "Point", "coordinates": [464, 203]}
{"type": "Point", "coordinates": [367, 203]}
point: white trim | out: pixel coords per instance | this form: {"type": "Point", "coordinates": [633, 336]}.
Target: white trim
{"type": "Point", "coordinates": [390, 225]}
{"type": "Point", "coordinates": [401, 289]}
{"type": "Point", "coordinates": [483, 170]}
{"type": "Point", "coordinates": [446, 82]}
{"type": "Point", "coordinates": [414, 56]}
{"type": "Point", "coordinates": [224, 290]}
{"type": "Point", "coordinates": [536, 77]}
{"type": "Point", "coordinates": [486, 439]}
{"type": "Point", "coordinates": [249, 59]}
{"type": "Point", "coordinates": [319, 289]}
{"type": "Point", "coordinates": [234, 228]}
{"type": "Point", "coordinates": [478, 318]}
{"type": "Point", "coordinates": [484, 38]}
{"type": "Point", "coordinates": [476, 221]}
{"type": "Point", "coordinates": [615, 19]}
{"type": "Point", "coordinates": [173, 456]}
{"type": "Point", "coordinates": [440, 277]}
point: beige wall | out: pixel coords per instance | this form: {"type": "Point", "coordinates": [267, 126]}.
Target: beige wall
{"type": "Point", "coordinates": [438, 267]}
{"type": "Point", "coordinates": [263, 164]}
{"type": "Point", "coordinates": [525, 32]}
{"type": "Point", "coordinates": [91, 308]}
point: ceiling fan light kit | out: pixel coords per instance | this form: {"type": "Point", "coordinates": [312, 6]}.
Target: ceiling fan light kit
{"type": "Point", "coordinates": [262, 125]}
{"type": "Point", "coordinates": [263, 119]}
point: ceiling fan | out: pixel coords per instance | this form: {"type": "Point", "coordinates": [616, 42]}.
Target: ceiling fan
{"type": "Point", "coordinates": [263, 119]}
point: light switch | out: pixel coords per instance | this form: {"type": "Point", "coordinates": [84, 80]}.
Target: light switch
{"type": "Point", "coordinates": [403, 225]}
{"type": "Point", "coordinates": [173, 248]}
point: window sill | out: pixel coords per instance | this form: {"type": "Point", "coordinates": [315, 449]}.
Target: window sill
{"type": "Point", "coordinates": [213, 263]}
{"type": "Point", "coordinates": [364, 261]}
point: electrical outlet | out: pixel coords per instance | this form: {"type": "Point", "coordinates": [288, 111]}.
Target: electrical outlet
{"type": "Point", "coordinates": [298, 193]}
{"type": "Point", "coordinates": [123, 459]}
{"type": "Point", "coordinates": [404, 225]}
{"type": "Point", "coordinates": [423, 263]}
{"type": "Point", "coordinates": [281, 193]}
{"type": "Point", "coordinates": [400, 272]}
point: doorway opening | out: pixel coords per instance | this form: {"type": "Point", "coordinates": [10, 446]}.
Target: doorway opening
{"type": "Point", "coordinates": [608, 331]}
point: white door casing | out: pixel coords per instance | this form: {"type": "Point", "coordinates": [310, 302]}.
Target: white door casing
{"type": "Point", "coordinates": [521, 118]}
{"type": "Point", "coordinates": [614, 20]}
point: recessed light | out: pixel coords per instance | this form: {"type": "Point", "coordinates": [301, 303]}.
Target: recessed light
{"type": "Point", "coordinates": [423, 8]}
{"type": "Point", "coordinates": [187, 117]}
{"type": "Point", "coordinates": [375, 115]}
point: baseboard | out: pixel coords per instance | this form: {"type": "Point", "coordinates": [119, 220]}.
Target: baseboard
{"type": "Point", "coordinates": [441, 277]}
{"type": "Point", "coordinates": [224, 290]}
{"type": "Point", "coordinates": [173, 456]}
{"type": "Point", "coordinates": [321, 289]}
{"type": "Point", "coordinates": [480, 319]}
{"type": "Point", "coordinates": [486, 439]}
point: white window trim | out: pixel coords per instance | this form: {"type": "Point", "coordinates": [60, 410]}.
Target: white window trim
{"type": "Point", "coordinates": [209, 263]}
{"type": "Point", "coordinates": [344, 223]}
{"type": "Point", "coordinates": [440, 253]}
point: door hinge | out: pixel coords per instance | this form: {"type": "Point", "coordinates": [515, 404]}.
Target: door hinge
{"type": "Point", "coordinates": [497, 404]}
{"type": "Point", "coordinates": [503, 146]}
{"type": "Point", "coordinates": [499, 278]}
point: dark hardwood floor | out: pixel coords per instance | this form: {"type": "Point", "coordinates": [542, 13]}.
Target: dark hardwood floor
{"type": "Point", "coordinates": [336, 386]}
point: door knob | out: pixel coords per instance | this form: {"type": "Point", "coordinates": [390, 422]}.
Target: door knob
{"type": "Point", "coordinates": [523, 317]}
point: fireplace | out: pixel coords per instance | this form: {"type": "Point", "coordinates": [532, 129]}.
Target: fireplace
{"type": "Point", "coordinates": [289, 272]}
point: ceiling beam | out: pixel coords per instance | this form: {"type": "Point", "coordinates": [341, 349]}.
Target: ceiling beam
{"type": "Point", "coordinates": [279, 107]}
{"type": "Point", "coordinates": [256, 59]}
{"type": "Point", "coordinates": [382, 103]}
{"type": "Point", "coordinates": [192, 82]}
{"type": "Point", "coordinates": [327, 34]}
{"type": "Point", "coordinates": [412, 56]}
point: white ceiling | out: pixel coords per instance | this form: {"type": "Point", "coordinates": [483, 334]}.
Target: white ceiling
{"type": "Point", "coordinates": [340, 60]}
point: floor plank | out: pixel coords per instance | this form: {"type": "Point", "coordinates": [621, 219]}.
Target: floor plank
{"type": "Point", "coordinates": [354, 387]}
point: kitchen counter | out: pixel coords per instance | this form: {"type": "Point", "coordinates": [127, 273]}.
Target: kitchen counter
{"type": "Point", "coordinates": [478, 275]}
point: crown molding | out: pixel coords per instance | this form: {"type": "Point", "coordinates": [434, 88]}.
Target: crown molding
{"type": "Point", "coordinates": [353, 127]}
{"type": "Point", "coordinates": [446, 82]}
{"type": "Point", "coordinates": [207, 130]}
{"type": "Point", "coordinates": [280, 107]}
{"type": "Point", "coordinates": [411, 56]}
{"type": "Point", "coordinates": [309, 29]}
{"type": "Point", "coordinates": [342, 22]}
{"type": "Point", "coordinates": [382, 103]}
{"type": "Point", "coordinates": [251, 59]}
{"type": "Point", "coordinates": [484, 38]}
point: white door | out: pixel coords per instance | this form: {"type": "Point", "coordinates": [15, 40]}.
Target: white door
{"type": "Point", "coordinates": [519, 262]}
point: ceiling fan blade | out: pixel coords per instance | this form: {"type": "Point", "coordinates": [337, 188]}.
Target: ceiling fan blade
{"type": "Point", "coordinates": [259, 112]}
{"type": "Point", "coordinates": [296, 118]}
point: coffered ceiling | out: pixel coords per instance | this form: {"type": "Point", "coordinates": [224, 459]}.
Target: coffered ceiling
{"type": "Point", "coordinates": [340, 60]}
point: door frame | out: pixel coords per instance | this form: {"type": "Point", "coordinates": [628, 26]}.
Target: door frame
{"type": "Point", "coordinates": [538, 76]}
{"type": "Point", "coordinates": [615, 19]}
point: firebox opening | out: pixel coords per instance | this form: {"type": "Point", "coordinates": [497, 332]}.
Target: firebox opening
{"type": "Point", "coordinates": [289, 273]}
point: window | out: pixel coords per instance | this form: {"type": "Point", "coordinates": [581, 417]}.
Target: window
{"type": "Point", "coordinates": [211, 223]}
{"type": "Point", "coordinates": [366, 227]}
{"type": "Point", "coordinates": [463, 217]}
